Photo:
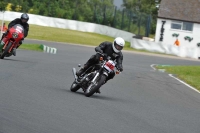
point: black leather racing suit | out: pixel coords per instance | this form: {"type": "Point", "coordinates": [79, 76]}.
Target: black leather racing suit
{"type": "Point", "coordinates": [18, 21]}
{"type": "Point", "coordinates": [106, 48]}
{"type": "Point", "coordinates": [14, 22]}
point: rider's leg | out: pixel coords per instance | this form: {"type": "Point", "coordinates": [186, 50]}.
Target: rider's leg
{"type": "Point", "coordinates": [16, 46]}
{"type": "Point", "coordinates": [19, 44]}
{"type": "Point", "coordinates": [93, 60]}
{"type": "Point", "coordinates": [14, 50]}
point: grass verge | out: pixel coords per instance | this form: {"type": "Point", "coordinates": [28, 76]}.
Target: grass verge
{"type": "Point", "coordinates": [188, 74]}
{"type": "Point", "coordinates": [35, 47]}
{"type": "Point", "coordinates": [70, 36]}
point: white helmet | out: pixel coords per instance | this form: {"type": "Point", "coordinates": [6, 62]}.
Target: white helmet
{"type": "Point", "coordinates": [118, 44]}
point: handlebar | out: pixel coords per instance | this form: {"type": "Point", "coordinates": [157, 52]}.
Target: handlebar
{"type": "Point", "coordinates": [100, 53]}
{"type": "Point", "coordinates": [107, 57]}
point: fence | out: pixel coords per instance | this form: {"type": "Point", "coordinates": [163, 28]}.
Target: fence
{"type": "Point", "coordinates": [191, 52]}
{"type": "Point", "coordinates": [120, 18]}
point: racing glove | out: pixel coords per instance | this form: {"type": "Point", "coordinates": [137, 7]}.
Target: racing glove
{"type": "Point", "coordinates": [119, 68]}
{"type": "Point", "coordinates": [105, 56]}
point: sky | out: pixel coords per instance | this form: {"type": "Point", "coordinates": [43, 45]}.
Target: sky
{"type": "Point", "coordinates": [118, 2]}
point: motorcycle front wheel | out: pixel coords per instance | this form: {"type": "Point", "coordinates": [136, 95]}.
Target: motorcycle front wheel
{"type": "Point", "coordinates": [5, 52]}
{"type": "Point", "coordinates": [94, 87]}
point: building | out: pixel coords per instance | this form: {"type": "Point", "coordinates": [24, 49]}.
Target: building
{"type": "Point", "coordinates": [179, 20]}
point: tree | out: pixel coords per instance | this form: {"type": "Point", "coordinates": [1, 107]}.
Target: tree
{"type": "Point", "coordinates": [132, 18]}
{"type": "Point", "coordinates": [3, 5]}
{"type": "Point", "coordinates": [146, 6]}
{"type": "Point", "coordinates": [103, 11]}
{"type": "Point", "coordinates": [149, 7]}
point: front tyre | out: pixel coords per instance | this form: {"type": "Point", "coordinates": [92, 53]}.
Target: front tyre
{"type": "Point", "coordinates": [74, 87]}
{"type": "Point", "coordinates": [5, 52]}
{"type": "Point", "coordinates": [94, 87]}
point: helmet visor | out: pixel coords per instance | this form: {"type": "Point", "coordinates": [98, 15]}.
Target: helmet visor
{"type": "Point", "coordinates": [24, 20]}
{"type": "Point", "coordinates": [118, 47]}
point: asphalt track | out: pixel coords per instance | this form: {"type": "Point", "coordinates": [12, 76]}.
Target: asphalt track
{"type": "Point", "coordinates": [35, 95]}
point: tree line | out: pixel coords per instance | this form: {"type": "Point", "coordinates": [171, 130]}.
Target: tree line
{"type": "Point", "coordinates": [133, 16]}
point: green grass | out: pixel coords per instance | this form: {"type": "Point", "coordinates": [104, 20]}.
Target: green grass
{"type": "Point", "coordinates": [35, 47]}
{"type": "Point", "coordinates": [68, 36]}
{"type": "Point", "coordinates": [71, 36]}
{"type": "Point", "coordinates": [189, 74]}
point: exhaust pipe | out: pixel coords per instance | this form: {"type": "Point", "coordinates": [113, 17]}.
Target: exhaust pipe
{"type": "Point", "coordinates": [74, 72]}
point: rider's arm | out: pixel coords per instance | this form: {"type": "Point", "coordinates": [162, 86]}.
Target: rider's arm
{"type": "Point", "coordinates": [119, 60]}
{"type": "Point", "coordinates": [101, 47]}
{"type": "Point", "coordinates": [12, 23]}
{"type": "Point", "coordinates": [26, 29]}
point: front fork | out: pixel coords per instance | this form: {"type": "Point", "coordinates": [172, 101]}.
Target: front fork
{"type": "Point", "coordinates": [3, 46]}
{"type": "Point", "coordinates": [95, 77]}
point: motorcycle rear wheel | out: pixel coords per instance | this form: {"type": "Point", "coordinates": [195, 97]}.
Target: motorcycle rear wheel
{"type": "Point", "coordinates": [74, 87]}
{"type": "Point", "coordinates": [90, 91]}
{"type": "Point", "coordinates": [5, 52]}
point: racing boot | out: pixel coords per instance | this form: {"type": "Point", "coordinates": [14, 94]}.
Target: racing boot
{"type": "Point", "coordinates": [14, 51]}
{"type": "Point", "coordinates": [78, 73]}
{"type": "Point", "coordinates": [98, 91]}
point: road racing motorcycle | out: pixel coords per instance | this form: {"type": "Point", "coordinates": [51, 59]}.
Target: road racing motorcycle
{"type": "Point", "coordinates": [13, 36]}
{"type": "Point", "coordinates": [95, 76]}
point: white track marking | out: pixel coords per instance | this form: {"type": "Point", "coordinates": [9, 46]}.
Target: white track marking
{"type": "Point", "coordinates": [185, 83]}
{"type": "Point", "coordinates": [153, 67]}
{"type": "Point", "coordinates": [178, 80]}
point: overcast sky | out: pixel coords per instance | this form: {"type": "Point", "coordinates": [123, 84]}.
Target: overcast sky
{"type": "Point", "coordinates": [118, 2]}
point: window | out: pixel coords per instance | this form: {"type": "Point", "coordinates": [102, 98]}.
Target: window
{"type": "Point", "coordinates": [187, 26]}
{"type": "Point", "coordinates": [178, 25]}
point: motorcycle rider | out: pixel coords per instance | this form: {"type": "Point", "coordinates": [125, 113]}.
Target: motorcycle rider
{"type": "Point", "coordinates": [112, 49]}
{"type": "Point", "coordinates": [22, 21]}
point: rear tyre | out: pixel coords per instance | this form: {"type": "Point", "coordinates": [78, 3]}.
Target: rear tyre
{"type": "Point", "coordinates": [5, 52]}
{"type": "Point", "coordinates": [93, 88]}
{"type": "Point", "coordinates": [74, 87]}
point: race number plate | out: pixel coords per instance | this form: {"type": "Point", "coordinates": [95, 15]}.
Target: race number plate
{"type": "Point", "coordinates": [110, 65]}
{"type": "Point", "coordinates": [19, 29]}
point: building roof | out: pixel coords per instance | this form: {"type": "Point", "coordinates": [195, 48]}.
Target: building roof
{"type": "Point", "coordinates": [185, 10]}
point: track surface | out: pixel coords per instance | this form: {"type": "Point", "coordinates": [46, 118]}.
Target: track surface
{"type": "Point", "coordinates": [35, 96]}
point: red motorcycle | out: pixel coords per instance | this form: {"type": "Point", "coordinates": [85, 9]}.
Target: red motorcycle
{"type": "Point", "coordinates": [14, 35]}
